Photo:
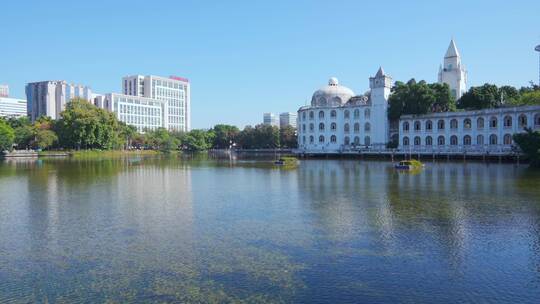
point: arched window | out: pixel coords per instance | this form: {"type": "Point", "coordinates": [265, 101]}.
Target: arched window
{"type": "Point", "coordinates": [303, 127]}
{"type": "Point", "coordinates": [367, 127]}
{"type": "Point", "coordinates": [429, 141]}
{"type": "Point", "coordinates": [507, 139]}
{"type": "Point", "coordinates": [367, 140]}
{"type": "Point", "coordinates": [356, 114]}
{"type": "Point", "coordinates": [405, 141]}
{"type": "Point", "coordinates": [508, 121]}
{"type": "Point", "coordinates": [322, 101]}
{"type": "Point", "coordinates": [356, 140]}
{"type": "Point", "coordinates": [493, 139]}
{"type": "Point", "coordinates": [356, 127]}
{"type": "Point", "coordinates": [417, 126]}
{"type": "Point", "coordinates": [417, 140]}
{"type": "Point", "coordinates": [429, 125]}
{"type": "Point", "coordinates": [336, 101]}
{"type": "Point", "coordinates": [346, 128]}
{"type": "Point", "coordinates": [311, 139]}
{"type": "Point", "coordinates": [467, 123]}
{"type": "Point", "coordinates": [321, 139]}
{"type": "Point", "coordinates": [453, 124]}
{"type": "Point", "coordinates": [493, 122]}
{"type": "Point", "coordinates": [467, 140]}
{"type": "Point", "coordinates": [311, 115]}
{"type": "Point", "coordinates": [321, 127]}
{"type": "Point", "coordinates": [347, 114]}
{"type": "Point", "coordinates": [440, 124]}
{"type": "Point", "coordinates": [480, 140]}
{"type": "Point", "coordinates": [453, 140]}
{"type": "Point", "coordinates": [522, 121]}
{"type": "Point", "coordinates": [406, 126]}
{"type": "Point", "coordinates": [537, 120]}
{"type": "Point", "coordinates": [480, 123]}
{"type": "Point", "coordinates": [333, 114]}
{"type": "Point", "coordinates": [347, 140]}
{"type": "Point", "coordinates": [440, 140]}
{"type": "Point", "coordinates": [367, 113]}
{"type": "Point", "coordinates": [303, 139]}
{"type": "Point", "coordinates": [311, 127]}
{"type": "Point", "coordinates": [333, 126]}
{"type": "Point", "coordinates": [321, 114]}
{"type": "Point", "coordinates": [304, 115]}
{"type": "Point", "coordinates": [333, 138]}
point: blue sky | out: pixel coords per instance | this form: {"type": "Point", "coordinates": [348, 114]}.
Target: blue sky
{"type": "Point", "coordinates": [248, 57]}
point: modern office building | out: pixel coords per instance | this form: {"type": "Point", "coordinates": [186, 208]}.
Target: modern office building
{"type": "Point", "coordinates": [12, 107]}
{"type": "Point", "coordinates": [270, 119]}
{"type": "Point", "coordinates": [4, 90]}
{"type": "Point", "coordinates": [141, 112]}
{"type": "Point", "coordinates": [49, 98]}
{"type": "Point", "coordinates": [287, 119]}
{"type": "Point", "coordinates": [174, 91]}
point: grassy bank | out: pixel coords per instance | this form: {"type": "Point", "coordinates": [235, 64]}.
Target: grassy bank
{"type": "Point", "coordinates": [89, 154]}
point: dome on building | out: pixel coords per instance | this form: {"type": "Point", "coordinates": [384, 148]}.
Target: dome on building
{"type": "Point", "coordinates": [333, 94]}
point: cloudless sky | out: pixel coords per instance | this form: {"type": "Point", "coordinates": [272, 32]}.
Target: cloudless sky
{"type": "Point", "coordinates": [244, 58]}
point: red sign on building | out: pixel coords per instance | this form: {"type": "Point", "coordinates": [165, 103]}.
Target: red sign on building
{"type": "Point", "coordinates": [179, 78]}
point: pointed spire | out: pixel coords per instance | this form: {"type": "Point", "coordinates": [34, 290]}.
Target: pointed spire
{"type": "Point", "coordinates": [452, 50]}
{"type": "Point", "coordinates": [380, 72]}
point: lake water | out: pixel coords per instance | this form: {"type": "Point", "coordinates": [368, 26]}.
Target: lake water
{"type": "Point", "coordinates": [214, 230]}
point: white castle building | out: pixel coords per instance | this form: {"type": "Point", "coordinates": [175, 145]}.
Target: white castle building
{"type": "Point", "coordinates": [339, 121]}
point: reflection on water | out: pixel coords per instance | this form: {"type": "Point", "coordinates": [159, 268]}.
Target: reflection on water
{"type": "Point", "coordinates": [224, 229]}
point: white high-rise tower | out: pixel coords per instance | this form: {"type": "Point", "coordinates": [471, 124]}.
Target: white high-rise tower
{"type": "Point", "coordinates": [380, 86]}
{"type": "Point", "coordinates": [453, 72]}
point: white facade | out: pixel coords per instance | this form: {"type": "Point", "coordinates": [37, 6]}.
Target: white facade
{"type": "Point", "coordinates": [338, 120]}
{"type": "Point", "coordinates": [12, 107]}
{"type": "Point", "coordinates": [287, 119]}
{"type": "Point", "coordinates": [49, 98]}
{"type": "Point", "coordinates": [174, 91]}
{"type": "Point", "coordinates": [488, 130]}
{"type": "Point", "coordinates": [270, 119]}
{"type": "Point", "coordinates": [453, 72]}
{"type": "Point", "coordinates": [4, 90]}
{"type": "Point", "coordinates": [141, 112]}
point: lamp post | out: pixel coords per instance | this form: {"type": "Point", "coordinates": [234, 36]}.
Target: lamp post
{"type": "Point", "coordinates": [537, 48]}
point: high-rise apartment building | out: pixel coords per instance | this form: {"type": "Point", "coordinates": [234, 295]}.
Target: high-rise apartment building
{"type": "Point", "coordinates": [270, 119]}
{"type": "Point", "coordinates": [287, 119]}
{"type": "Point", "coordinates": [173, 91]}
{"type": "Point", "coordinates": [4, 90]}
{"type": "Point", "coordinates": [49, 98]}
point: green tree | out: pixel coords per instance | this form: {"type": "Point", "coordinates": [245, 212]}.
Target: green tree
{"type": "Point", "coordinates": [287, 137]}
{"type": "Point", "coordinates": [419, 98]}
{"type": "Point", "coordinates": [529, 143]}
{"type": "Point", "coordinates": [7, 136]}
{"type": "Point", "coordinates": [225, 135]}
{"type": "Point", "coordinates": [483, 97]}
{"type": "Point", "coordinates": [83, 125]}
{"type": "Point", "coordinates": [529, 98]}
{"type": "Point", "coordinates": [260, 137]}
{"type": "Point", "coordinates": [45, 138]}
{"type": "Point", "coordinates": [161, 139]}
{"type": "Point", "coordinates": [24, 136]}
{"type": "Point", "coordinates": [198, 140]}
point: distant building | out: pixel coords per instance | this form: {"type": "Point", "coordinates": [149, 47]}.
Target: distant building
{"type": "Point", "coordinates": [49, 98]}
{"type": "Point", "coordinates": [453, 71]}
{"type": "Point", "coordinates": [287, 119]}
{"type": "Point", "coordinates": [270, 119]}
{"type": "Point", "coordinates": [12, 107]}
{"type": "Point", "coordinates": [174, 91]}
{"type": "Point", "coordinates": [4, 90]}
{"type": "Point", "coordinates": [141, 112]}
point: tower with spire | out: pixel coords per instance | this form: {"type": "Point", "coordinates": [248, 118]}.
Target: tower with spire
{"type": "Point", "coordinates": [380, 85]}
{"type": "Point", "coordinates": [452, 72]}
